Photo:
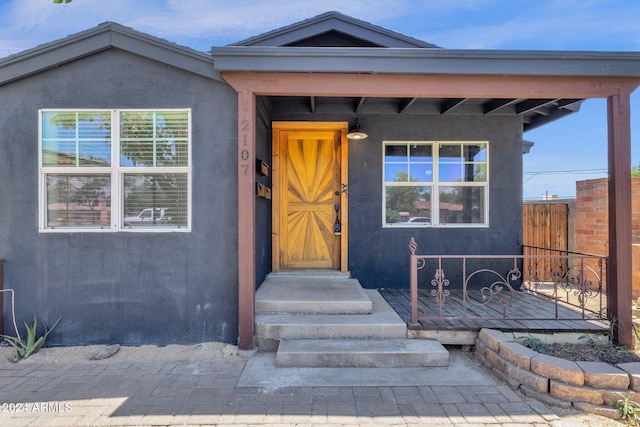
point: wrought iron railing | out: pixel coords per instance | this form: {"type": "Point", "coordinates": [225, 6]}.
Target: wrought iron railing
{"type": "Point", "coordinates": [496, 286]}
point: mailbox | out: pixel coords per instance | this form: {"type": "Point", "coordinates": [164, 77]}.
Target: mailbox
{"type": "Point", "coordinates": [262, 168]}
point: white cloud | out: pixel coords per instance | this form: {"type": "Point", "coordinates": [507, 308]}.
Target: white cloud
{"type": "Point", "coordinates": [27, 23]}
{"type": "Point", "coordinates": [478, 24]}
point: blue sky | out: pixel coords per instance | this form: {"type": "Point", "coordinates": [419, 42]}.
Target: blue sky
{"type": "Point", "coordinates": [576, 145]}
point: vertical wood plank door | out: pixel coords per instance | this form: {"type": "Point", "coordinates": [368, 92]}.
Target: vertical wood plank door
{"type": "Point", "coordinates": [307, 187]}
{"type": "Point", "coordinates": [545, 226]}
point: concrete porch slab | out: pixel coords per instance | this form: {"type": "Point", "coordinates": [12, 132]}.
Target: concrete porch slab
{"type": "Point", "coordinates": [314, 294]}
{"type": "Point", "coordinates": [391, 353]}
{"type": "Point", "coordinates": [383, 322]}
{"type": "Point", "coordinates": [261, 371]}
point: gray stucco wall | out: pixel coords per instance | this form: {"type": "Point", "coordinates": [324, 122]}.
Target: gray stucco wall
{"type": "Point", "coordinates": [263, 206]}
{"type": "Point", "coordinates": [128, 288]}
{"type": "Point", "coordinates": [379, 257]}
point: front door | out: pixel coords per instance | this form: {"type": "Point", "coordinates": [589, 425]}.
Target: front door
{"type": "Point", "coordinates": [309, 206]}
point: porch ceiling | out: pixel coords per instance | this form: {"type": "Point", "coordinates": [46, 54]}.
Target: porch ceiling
{"type": "Point", "coordinates": [534, 112]}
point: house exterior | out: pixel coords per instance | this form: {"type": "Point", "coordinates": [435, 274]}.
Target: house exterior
{"type": "Point", "coordinates": [150, 188]}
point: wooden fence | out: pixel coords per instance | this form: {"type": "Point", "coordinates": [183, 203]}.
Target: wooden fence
{"type": "Point", "coordinates": [545, 232]}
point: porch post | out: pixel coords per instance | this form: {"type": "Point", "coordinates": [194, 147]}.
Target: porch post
{"type": "Point", "coordinates": [619, 294]}
{"type": "Point", "coordinates": [246, 218]}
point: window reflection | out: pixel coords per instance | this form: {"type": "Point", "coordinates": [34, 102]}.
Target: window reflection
{"type": "Point", "coordinates": [411, 189]}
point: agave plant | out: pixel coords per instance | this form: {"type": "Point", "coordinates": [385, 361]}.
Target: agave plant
{"type": "Point", "coordinates": [26, 347]}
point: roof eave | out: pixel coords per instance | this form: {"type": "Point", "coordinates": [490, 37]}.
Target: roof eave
{"type": "Point", "coordinates": [426, 61]}
{"type": "Point", "coordinates": [100, 38]}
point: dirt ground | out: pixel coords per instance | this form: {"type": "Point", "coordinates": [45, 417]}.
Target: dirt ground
{"type": "Point", "coordinates": [145, 353]}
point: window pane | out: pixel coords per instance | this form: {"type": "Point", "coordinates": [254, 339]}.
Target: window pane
{"type": "Point", "coordinates": [421, 153]}
{"type": "Point", "coordinates": [78, 200]}
{"type": "Point", "coordinates": [71, 138]}
{"type": "Point", "coordinates": [396, 153]}
{"type": "Point", "coordinates": [395, 173]}
{"type": "Point", "coordinates": [406, 205]}
{"type": "Point", "coordinates": [421, 172]}
{"type": "Point", "coordinates": [421, 162]}
{"type": "Point", "coordinates": [462, 205]}
{"type": "Point", "coordinates": [462, 163]}
{"type": "Point", "coordinates": [468, 172]}
{"type": "Point", "coordinates": [396, 163]}
{"type": "Point", "coordinates": [450, 153]}
{"type": "Point", "coordinates": [450, 173]}
{"type": "Point", "coordinates": [480, 172]}
{"type": "Point", "coordinates": [155, 200]}
{"type": "Point", "coordinates": [475, 152]}
{"type": "Point", "coordinates": [154, 138]}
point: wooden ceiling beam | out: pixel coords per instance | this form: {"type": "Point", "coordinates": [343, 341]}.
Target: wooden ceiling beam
{"type": "Point", "coordinates": [451, 104]}
{"type": "Point", "coordinates": [569, 104]}
{"type": "Point", "coordinates": [406, 103]}
{"type": "Point", "coordinates": [532, 104]}
{"type": "Point", "coordinates": [498, 104]}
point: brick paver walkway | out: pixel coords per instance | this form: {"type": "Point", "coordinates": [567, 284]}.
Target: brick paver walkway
{"type": "Point", "coordinates": [205, 393]}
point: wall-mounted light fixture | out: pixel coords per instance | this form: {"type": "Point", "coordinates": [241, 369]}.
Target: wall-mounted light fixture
{"type": "Point", "coordinates": [356, 133]}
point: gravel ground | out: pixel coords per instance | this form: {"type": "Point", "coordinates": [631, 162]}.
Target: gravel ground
{"type": "Point", "coordinates": [592, 353]}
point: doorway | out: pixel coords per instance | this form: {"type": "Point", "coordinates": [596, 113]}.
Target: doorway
{"type": "Point", "coordinates": [310, 206]}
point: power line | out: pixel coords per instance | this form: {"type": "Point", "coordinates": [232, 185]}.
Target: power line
{"type": "Point", "coordinates": [562, 172]}
{"type": "Point", "coordinates": [576, 171]}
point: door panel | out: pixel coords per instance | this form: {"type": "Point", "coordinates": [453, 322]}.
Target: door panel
{"type": "Point", "coordinates": [312, 176]}
{"type": "Point", "coordinates": [308, 170]}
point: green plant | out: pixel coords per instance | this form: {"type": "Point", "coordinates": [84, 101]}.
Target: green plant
{"type": "Point", "coordinates": [599, 341]}
{"type": "Point", "coordinates": [629, 410]}
{"type": "Point", "coordinates": [26, 347]}
{"type": "Point", "coordinates": [535, 344]}
{"type": "Point", "coordinates": [596, 341]}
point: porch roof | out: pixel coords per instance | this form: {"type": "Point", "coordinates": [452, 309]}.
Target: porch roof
{"type": "Point", "coordinates": [425, 61]}
{"type": "Point", "coordinates": [535, 110]}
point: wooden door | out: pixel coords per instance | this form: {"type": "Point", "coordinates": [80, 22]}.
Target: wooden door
{"type": "Point", "coordinates": [545, 233]}
{"type": "Point", "coordinates": [307, 179]}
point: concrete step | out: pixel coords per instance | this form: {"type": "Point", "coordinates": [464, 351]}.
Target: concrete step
{"type": "Point", "coordinates": [387, 353]}
{"type": "Point", "coordinates": [333, 293]}
{"type": "Point", "coordinates": [383, 322]}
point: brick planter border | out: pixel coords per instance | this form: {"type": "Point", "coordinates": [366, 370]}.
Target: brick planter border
{"type": "Point", "coordinates": [590, 387]}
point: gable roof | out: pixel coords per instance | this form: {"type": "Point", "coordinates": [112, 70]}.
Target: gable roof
{"type": "Point", "coordinates": [334, 23]}
{"type": "Point", "coordinates": [103, 37]}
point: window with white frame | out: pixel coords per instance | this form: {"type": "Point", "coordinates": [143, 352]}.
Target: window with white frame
{"type": "Point", "coordinates": [435, 183]}
{"type": "Point", "coordinates": [111, 170]}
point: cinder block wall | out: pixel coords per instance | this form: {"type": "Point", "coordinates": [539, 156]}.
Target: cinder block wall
{"type": "Point", "coordinates": [592, 221]}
